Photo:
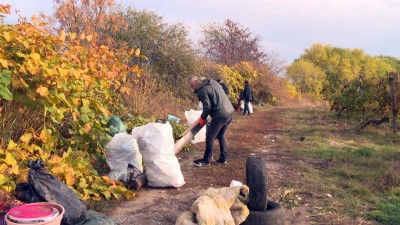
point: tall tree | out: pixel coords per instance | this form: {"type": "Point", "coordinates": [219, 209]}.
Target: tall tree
{"type": "Point", "coordinates": [307, 78]}
{"type": "Point", "coordinates": [168, 49]}
{"type": "Point", "coordinates": [89, 17]}
{"type": "Point", "coordinates": [230, 43]}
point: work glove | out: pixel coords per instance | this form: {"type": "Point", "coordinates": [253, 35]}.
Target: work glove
{"type": "Point", "coordinates": [202, 122]}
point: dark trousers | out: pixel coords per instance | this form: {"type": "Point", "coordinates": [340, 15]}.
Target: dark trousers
{"type": "Point", "coordinates": [217, 129]}
{"type": "Point", "coordinates": [246, 108]}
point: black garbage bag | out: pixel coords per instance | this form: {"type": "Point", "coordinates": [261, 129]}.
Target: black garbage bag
{"type": "Point", "coordinates": [53, 190]}
{"type": "Point", "coordinates": [26, 193]}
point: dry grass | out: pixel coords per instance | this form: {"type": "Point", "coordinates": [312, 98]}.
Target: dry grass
{"type": "Point", "coordinates": [15, 119]}
{"type": "Point", "coordinates": [357, 169]}
{"type": "Point", "coordinates": [149, 99]}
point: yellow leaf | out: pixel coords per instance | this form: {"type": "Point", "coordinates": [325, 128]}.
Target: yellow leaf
{"type": "Point", "coordinates": [42, 91]}
{"type": "Point", "coordinates": [87, 83]}
{"type": "Point", "coordinates": [131, 51]}
{"type": "Point", "coordinates": [14, 169]}
{"type": "Point", "coordinates": [26, 44]}
{"type": "Point", "coordinates": [23, 154]}
{"type": "Point", "coordinates": [72, 36]}
{"type": "Point", "coordinates": [6, 36]}
{"type": "Point", "coordinates": [107, 194]}
{"type": "Point", "coordinates": [3, 168]}
{"type": "Point", "coordinates": [82, 183]}
{"type": "Point", "coordinates": [11, 145]}
{"type": "Point", "coordinates": [57, 169]}
{"type": "Point", "coordinates": [32, 69]}
{"type": "Point", "coordinates": [62, 35]}
{"type": "Point", "coordinates": [4, 63]}
{"type": "Point", "coordinates": [10, 159]}
{"type": "Point", "coordinates": [3, 179]}
{"type": "Point", "coordinates": [62, 72]}
{"type": "Point", "coordinates": [20, 54]}
{"type": "Point", "coordinates": [43, 136]}
{"type": "Point", "coordinates": [117, 195]}
{"type": "Point", "coordinates": [70, 179]}
{"type": "Point", "coordinates": [26, 138]}
{"type": "Point", "coordinates": [55, 160]}
{"type": "Point", "coordinates": [51, 72]}
{"type": "Point", "coordinates": [83, 36]}
{"type": "Point", "coordinates": [108, 179]}
{"type": "Point", "coordinates": [88, 128]}
{"type": "Point", "coordinates": [137, 52]}
{"type": "Point", "coordinates": [76, 74]}
{"type": "Point", "coordinates": [104, 110]}
{"type": "Point", "coordinates": [35, 56]}
{"type": "Point", "coordinates": [85, 102]}
{"type": "Point", "coordinates": [89, 37]}
{"type": "Point", "coordinates": [125, 90]}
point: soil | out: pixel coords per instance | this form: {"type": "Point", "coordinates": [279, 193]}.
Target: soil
{"type": "Point", "coordinates": [259, 134]}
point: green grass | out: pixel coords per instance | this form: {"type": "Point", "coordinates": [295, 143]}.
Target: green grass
{"type": "Point", "coordinates": [361, 170]}
{"type": "Point", "coordinates": [388, 212]}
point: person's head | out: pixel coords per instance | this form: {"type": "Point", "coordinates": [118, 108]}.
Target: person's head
{"type": "Point", "coordinates": [194, 82]}
{"type": "Point", "coordinates": [219, 80]}
{"type": "Point", "coordinates": [246, 82]}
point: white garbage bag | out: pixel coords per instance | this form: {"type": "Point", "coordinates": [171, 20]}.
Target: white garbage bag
{"type": "Point", "coordinates": [156, 144]}
{"type": "Point", "coordinates": [191, 116]}
{"type": "Point", "coordinates": [250, 106]}
{"type": "Point", "coordinates": [120, 151]}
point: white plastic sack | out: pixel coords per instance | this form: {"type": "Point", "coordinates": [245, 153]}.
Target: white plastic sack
{"type": "Point", "coordinates": [191, 116]}
{"type": "Point", "coordinates": [120, 151]}
{"type": "Point", "coordinates": [250, 106]}
{"type": "Point", "coordinates": [156, 144]}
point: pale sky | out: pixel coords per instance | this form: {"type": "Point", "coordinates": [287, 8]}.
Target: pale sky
{"type": "Point", "coordinates": [286, 27]}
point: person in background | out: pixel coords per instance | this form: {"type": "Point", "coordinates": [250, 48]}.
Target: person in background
{"type": "Point", "coordinates": [247, 97]}
{"type": "Point", "coordinates": [216, 105]}
{"type": "Point", "coordinates": [223, 85]}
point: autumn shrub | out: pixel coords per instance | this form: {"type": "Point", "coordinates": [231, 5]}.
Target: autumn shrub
{"type": "Point", "coordinates": [150, 99]}
{"type": "Point", "coordinates": [56, 95]}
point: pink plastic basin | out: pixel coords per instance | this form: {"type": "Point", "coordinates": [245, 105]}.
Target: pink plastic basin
{"type": "Point", "coordinates": [42, 213]}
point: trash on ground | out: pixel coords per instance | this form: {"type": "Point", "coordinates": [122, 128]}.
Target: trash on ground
{"type": "Point", "coordinates": [235, 183]}
{"type": "Point", "coordinates": [173, 118]}
{"type": "Point", "coordinates": [47, 188]}
{"type": "Point", "coordinates": [218, 206]}
{"type": "Point", "coordinates": [156, 144]}
{"type": "Point", "coordinates": [122, 151]}
{"type": "Point", "coordinates": [115, 126]}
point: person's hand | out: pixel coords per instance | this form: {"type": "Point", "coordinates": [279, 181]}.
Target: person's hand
{"type": "Point", "coordinates": [202, 122]}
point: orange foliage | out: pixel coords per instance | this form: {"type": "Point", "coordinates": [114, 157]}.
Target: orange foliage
{"type": "Point", "coordinates": [96, 17]}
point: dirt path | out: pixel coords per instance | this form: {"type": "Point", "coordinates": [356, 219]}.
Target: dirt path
{"type": "Point", "coordinates": [258, 134]}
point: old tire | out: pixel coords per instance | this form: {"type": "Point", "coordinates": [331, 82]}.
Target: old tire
{"type": "Point", "coordinates": [274, 215]}
{"type": "Point", "coordinates": [256, 179]}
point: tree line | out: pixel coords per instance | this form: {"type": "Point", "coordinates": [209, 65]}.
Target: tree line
{"type": "Point", "coordinates": [169, 55]}
{"type": "Point", "coordinates": [354, 83]}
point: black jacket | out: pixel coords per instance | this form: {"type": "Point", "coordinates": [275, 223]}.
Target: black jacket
{"type": "Point", "coordinates": [247, 94]}
{"type": "Point", "coordinates": [215, 101]}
